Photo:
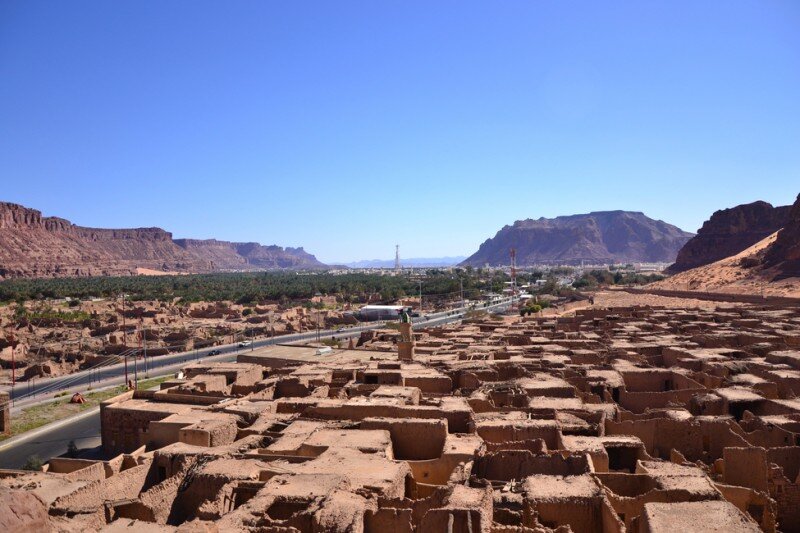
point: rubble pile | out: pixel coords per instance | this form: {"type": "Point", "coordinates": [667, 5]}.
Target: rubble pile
{"type": "Point", "coordinates": [107, 329]}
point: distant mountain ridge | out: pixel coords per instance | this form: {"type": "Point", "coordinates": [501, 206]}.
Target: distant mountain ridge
{"type": "Point", "coordinates": [410, 262]}
{"type": "Point", "coordinates": [600, 236]}
{"type": "Point", "coordinates": [32, 245]}
{"type": "Point", "coordinates": [242, 255]}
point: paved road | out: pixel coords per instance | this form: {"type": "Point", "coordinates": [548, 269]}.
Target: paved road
{"type": "Point", "coordinates": [85, 432]}
{"type": "Point", "coordinates": [42, 390]}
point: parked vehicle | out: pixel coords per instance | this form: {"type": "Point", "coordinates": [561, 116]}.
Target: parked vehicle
{"type": "Point", "coordinates": [214, 352]}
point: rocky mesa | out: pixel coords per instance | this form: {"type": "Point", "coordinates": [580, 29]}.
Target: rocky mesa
{"type": "Point", "coordinates": [771, 266]}
{"type": "Point", "coordinates": [784, 255]}
{"type": "Point", "coordinates": [601, 237]}
{"type": "Point", "coordinates": [730, 231]}
{"type": "Point", "coordinates": [32, 245]}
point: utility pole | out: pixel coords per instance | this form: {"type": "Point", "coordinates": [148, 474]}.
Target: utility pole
{"type": "Point", "coordinates": [13, 363]}
{"type": "Point", "coordinates": [317, 324]}
{"type": "Point", "coordinates": [271, 327]}
{"type": "Point", "coordinates": [135, 372]}
{"type": "Point", "coordinates": [125, 358]}
{"type": "Point", "coordinates": [420, 297]}
{"type": "Point", "coordinates": [461, 288]}
{"type": "Point", "coordinates": [144, 344]}
{"type": "Point", "coordinates": [397, 257]}
{"type": "Point", "coordinates": [124, 335]}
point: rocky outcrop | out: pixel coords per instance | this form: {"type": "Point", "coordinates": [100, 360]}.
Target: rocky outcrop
{"type": "Point", "coordinates": [275, 256]}
{"type": "Point", "coordinates": [35, 246]}
{"type": "Point", "coordinates": [601, 237]}
{"type": "Point", "coordinates": [23, 512]}
{"type": "Point", "coordinates": [218, 254]}
{"type": "Point", "coordinates": [728, 232]}
{"type": "Point", "coordinates": [247, 255]}
{"type": "Point", "coordinates": [784, 254]}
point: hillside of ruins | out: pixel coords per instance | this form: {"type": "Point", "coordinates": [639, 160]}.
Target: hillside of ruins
{"type": "Point", "coordinates": [54, 338]}
{"type": "Point", "coordinates": [604, 403]}
{"type": "Point", "coordinates": [617, 416]}
{"type": "Point", "coordinates": [400, 267]}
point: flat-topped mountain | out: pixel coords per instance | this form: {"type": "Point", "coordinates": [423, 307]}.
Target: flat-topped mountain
{"type": "Point", "coordinates": [601, 237]}
{"type": "Point", "coordinates": [32, 245]}
{"type": "Point", "coordinates": [730, 231]}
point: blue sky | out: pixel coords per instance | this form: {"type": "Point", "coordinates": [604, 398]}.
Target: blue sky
{"type": "Point", "coordinates": [347, 127]}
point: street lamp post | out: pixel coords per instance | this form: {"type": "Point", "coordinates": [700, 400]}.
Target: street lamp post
{"type": "Point", "coordinates": [144, 343]}
{"type": "Point", "coordinates": [125, 358]}
{"type": "Point", "coordinates": [135, 372]}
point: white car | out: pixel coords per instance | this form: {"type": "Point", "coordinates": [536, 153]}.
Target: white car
{"type": "Point", "coordinates": [244, 344]}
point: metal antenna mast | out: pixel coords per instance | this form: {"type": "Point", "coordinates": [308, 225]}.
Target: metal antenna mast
{"type": "Point", "coordinates": [397, 257]}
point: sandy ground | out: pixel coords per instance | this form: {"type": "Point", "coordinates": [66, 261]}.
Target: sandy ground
{"type": "Point", "coordinates": [150, 272]}
{"type": "Point", "coordinates": [622, 299]}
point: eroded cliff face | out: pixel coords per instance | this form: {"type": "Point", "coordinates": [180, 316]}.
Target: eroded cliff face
{"type": "Point", "coordinates": [730, 231]}
{"type": "Point", "coordinates": [242, 255]}
{"type": "Point", "coordinates": [35, 246]}
{"type": "Point", "coordinates": [603, 236]}
{"type": "Point", "coordinates": [784, 254]}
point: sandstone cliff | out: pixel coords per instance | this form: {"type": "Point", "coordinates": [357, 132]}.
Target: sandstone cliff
{"type": "Point", "coordinates": [784, 254]}
{"type": "Point", "coordinates": [35, 246]}
{"type": "Point", "coordinates": [241, 255]}
{"type": "Point", "coordinates": [603, 236]}
{"type": "Point", "coordinates": [730, 231]}
{"type": "Point", "coordinates": [770, 266]}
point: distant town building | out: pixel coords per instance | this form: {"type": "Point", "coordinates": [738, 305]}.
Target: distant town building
{"type": "Point", "coordinates": [382, 312]}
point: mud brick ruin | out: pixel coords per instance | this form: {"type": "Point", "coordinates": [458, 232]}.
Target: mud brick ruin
{"type": "Point", "coordinates": [635, 419]}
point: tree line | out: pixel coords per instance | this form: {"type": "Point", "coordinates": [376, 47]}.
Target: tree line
{"type": "Point", "coordinates": [253, 287]}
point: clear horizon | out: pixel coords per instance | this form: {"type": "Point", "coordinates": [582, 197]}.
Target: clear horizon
{"type": "Point", "coordinates": [349, 127]}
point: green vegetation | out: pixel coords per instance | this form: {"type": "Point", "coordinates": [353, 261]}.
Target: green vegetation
{"type": "Point", "coordinates": [43, 312]}
{"type": "Point", "coordinates": [533, 307]}
{"type": "Point", "coordinates": [529, 309]}
{"type": "Point", "coordinates": [34, 463]}
{"type": "Point", "coordinates": [252, 288]}
{"type": "Point", "coordinates": [595, 278]}
{"type": "Point", "coordinates": [40, 415]}
{"type": "Point", "coordinates": [72, 449]}
{"type": "Point", "coordinates": [333, 343]}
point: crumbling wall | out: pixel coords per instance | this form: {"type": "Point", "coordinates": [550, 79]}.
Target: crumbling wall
{"type": "Point", "coordinates": [519, 464]}
{"type": "Point", "coordinates": [412, 438]}
{"type": "Point", "coordinates": [661, 435]}
{"type": "Point", "coordinates": [123, 486]}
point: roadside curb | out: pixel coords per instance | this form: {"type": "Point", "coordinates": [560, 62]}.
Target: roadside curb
{"type": "Point", "coordinates": [181, 359]}
{"type": "Point", "coordinates": [28, 435]}
{"type": "Point", "coordinates": [16, 409]}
